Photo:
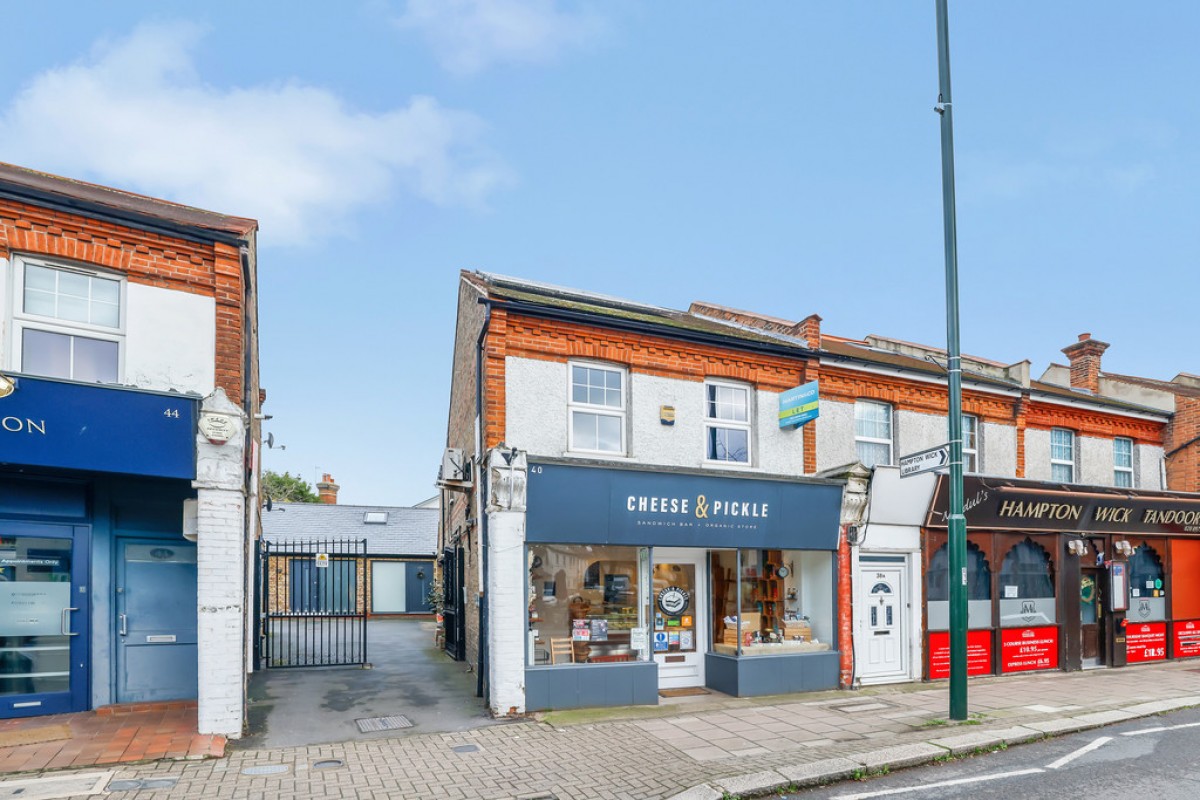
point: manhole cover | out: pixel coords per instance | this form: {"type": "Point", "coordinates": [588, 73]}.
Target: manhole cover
{"type": "Point", "coordinates": [265, 769]}
{"type": "Point", "coordinates": [329, 763]}
{"type": "Point", "coordinates": [465, 748]}
{"type": "Point", "coordinates": [383, 723]}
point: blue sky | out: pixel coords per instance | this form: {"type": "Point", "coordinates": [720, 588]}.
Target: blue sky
{"type": "Point", "coordinates": [775, 156]}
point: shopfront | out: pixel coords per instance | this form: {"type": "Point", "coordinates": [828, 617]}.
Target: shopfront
{"type": "Point", "coordinates": [641, 581]}
{"type": "Point", "coordinates": [97, 583]}
{"type": "Point", "coordinates": [1063, 577]}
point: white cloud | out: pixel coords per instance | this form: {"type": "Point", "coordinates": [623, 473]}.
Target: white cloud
{"type": "Point", "coordinates": [470, 35]}
{"type": "Point", "coordinates": [134, 114]}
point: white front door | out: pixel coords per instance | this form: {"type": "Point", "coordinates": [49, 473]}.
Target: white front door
{"type": "Point", "coordinates": [679, 636]}
{"type": "Point", "coordinates": [883, 617]}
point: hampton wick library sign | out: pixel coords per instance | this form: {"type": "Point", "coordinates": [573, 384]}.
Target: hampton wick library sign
{"type": "Point", "coordinates": [991, 503]}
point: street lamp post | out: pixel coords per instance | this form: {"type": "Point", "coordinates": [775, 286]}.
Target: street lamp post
{"type": "Point", "coordinates": [957, 522]}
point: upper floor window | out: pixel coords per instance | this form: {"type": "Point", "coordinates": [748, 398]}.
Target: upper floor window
{"type": "Point", "coordinates": [873, 433]}
{"type": "Point", "coordinates": [726, 422]}
{"type": "Point", "coordinates": [1062, 455]}
{"type": "Point", "coordinates": [67, 323]}
{"type": "Point", "coordinates": [597, 408]}
{"type": "Point", "coordinates": [970, 443]}
{"type": "Point", "coordinates": [1123, 462]}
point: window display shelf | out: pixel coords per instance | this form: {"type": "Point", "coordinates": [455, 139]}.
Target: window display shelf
{"type": "Point", "coordinates": [777, 648]}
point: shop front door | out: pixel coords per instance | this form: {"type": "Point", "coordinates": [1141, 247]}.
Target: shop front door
{"type": "Point", "coordinates": [44, 612]}
{"type": "Point", "coordinates": [680, 616]}
{"type": "Point", "coordinates": [1091, 618]}
{"type": "Point", "coordinates": [883, 604]}
{"type": "Point", "coordinates": [156, 620]}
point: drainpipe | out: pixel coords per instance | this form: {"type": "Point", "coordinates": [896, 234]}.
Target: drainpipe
{"type": "Point", "coordinates": [481, 685]}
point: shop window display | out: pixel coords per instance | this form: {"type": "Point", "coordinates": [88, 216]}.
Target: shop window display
{"type": "Point", "coordinates": [1147, 588]}
{"type": "Point", "coordinates": [979, 589]}
{"type": "Point", "coordinates": [785, 604]}
{"type": "Point", "coordinates": [586, 604]}
{"type": "Point", "coordinates": [1027, 587]}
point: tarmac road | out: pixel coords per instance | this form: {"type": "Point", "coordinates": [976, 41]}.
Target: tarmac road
{"type": "Point", "coordinates": [1156, 758]}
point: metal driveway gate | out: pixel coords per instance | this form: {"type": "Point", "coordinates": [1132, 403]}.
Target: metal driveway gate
{"type": "Point", "coordinates": [313, 603]}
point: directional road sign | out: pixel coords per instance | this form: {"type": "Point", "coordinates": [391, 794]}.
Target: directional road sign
{"type": "Point", "coordinates": [924, 461]}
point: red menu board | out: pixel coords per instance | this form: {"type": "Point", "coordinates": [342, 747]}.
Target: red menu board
{"type": "Point", "coordinates": [1145, 641]}
{"type": "Point", "coordinates": [979, 654]}
{"type": "Point", "coordinates": [1023, 649]}
{"type": "Point", "coordinates": [1187, 638]}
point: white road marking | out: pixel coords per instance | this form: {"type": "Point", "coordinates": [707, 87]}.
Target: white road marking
{"type": "Point", "coordinates": [940, 784]}
{"type": "Point", "coordinates": [1162, 728]}
{"type": "Point", "coordinates": [1087, 748]}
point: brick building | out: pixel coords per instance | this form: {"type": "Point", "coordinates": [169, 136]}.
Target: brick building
{"type": "Point", "coordinates": [129, 407]}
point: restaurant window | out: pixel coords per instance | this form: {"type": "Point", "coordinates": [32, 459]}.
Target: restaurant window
{"type": "Point", "coordinates": [979, 589]}
{"type": "Point", "coordinates": [1027, 587]}
{"type": "Point", "coordinates": [1062, 455]}
{"type": "Point", "coordinates": [597, 408]}
{"type": "Point", "coordinates": [1123, 462]}
{"type": "Point", "coordinates": [785, 605]}
{"type": "Point", "coordinates": [727, 427]}
{"type": "Point", "coordinates": [1147, 586]}
{"type": "Point", "coordinates": [67, 323]}
{"type": "Point", "coordinates": [585, 602]}
{"type": "Point", "coordinates": [873, 433]}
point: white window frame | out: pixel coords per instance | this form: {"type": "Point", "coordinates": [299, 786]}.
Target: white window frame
{"type": "Point", "coordinates": [729, 424]}
{"type": "Point", "coordinates": [1061, 462]}
{"type": "Point", "coordinates": [600, 410]}
{"type": "Point", "coordinates": [23, 321]}
{"type": "Point", "coordinates": [971, 451]}
{"type": "Point", "coordinates": [1123, 470]}
{"type": "Point", "coordinates": [890, 441]}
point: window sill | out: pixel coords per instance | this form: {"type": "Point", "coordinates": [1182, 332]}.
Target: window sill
{"type": "Point", "coordinates": [586, 455]}
{"type": "Point", "coordinates": [730, 465]}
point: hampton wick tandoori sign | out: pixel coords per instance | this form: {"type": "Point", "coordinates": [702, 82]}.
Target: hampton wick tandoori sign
{"type": "Point", "coordinates": [1004, 503]}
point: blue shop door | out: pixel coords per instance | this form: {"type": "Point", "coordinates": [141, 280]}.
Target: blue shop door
{"type": "Point", "coordinates": [156, 620]}
{"type": "Point", "coordinates": [416, 586]}
{"type": "Point", "coordinates": [44, 613]}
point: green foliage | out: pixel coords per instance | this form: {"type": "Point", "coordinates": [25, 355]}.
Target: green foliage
{"type": "Point", "coordinates": [287, 488]}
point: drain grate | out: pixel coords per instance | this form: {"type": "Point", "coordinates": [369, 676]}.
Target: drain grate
{"type": "Point", "coordinates": [142, 783]}
{"type": "Point", "coordinates": [265, 769]}
{"type": "Point", "coordinates": [858, 708]}
{"type": "Point", "coordinates": [329, 763]}
{"type": "Point", "coordinates": [393, 723]}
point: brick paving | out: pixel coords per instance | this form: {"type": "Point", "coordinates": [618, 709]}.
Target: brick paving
{"type": "Point", "coordinates": [111, 735]}
{"type": "Point", "coordinates": [658, 752]}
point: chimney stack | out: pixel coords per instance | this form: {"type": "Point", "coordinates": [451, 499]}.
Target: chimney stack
{"type": "Point", "coordinates": [1084, 356]}
{"type": "Point", "coordinates": [327, 490]}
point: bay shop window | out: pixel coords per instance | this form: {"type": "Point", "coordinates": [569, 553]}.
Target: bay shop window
{"type": "Point", "coordinates": [595, 604]}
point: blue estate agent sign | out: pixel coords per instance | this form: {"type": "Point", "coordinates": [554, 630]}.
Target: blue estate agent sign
{"type": "Point", "coordinates": [596, 505]}
{"type": "Point", "coordinates": [798, 406]}
{"type": "Point", "coordinates": [46, 423]}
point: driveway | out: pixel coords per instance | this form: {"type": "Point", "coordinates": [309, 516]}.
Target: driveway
{"type": "Point", "coordinates": [410, 678]}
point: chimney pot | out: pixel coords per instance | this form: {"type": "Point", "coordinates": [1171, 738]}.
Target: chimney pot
{"type": "Point", "coordinates": [1083, 337]}
{"type": "Point", "coordinates": [327, 490]}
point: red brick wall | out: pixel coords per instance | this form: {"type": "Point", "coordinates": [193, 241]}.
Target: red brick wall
{"type": "Point", "coordinates": [212, 270]}
{"type": "Point", "coordinates": [1183, 466]}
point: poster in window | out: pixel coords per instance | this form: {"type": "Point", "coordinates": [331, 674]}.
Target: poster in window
{"type": "Point", "coordinates": [1187, 639]}
{"type": "Point", "coordinates": [1146, 642]}
{"type": "Point", "coordinates": [599, 630]}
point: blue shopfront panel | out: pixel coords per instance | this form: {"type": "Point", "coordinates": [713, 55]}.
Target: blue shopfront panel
{"type": "Point", "coordinates": [594, 505]}
{"type": "Point", "coordinates": [64, 425]}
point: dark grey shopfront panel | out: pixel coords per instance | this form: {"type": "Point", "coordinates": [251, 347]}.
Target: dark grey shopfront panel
{"type": "Point", "coordinates": [591, 686]}
{"type": "Point", "coordinates": [596, 505]}
{"type": "Point", "coordinates": [754, 676]}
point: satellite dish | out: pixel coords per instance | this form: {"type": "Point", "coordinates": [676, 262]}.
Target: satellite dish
{"type": "Point", "coordinates": [270, 440]}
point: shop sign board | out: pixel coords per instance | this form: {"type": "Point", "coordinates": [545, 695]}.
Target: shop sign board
{"type": "Point", "coordinates": [1187, 638]}
{"type": "Point", "coordinates": [1145, 641]}
{"type": "Point", "coordinates": [979, 654]}
{"type": "Point", "coordinates": [799, 405]}
{"type": "Point", "coordinates": [1024, 649]}
{"type": "Point", "coordinates": [1014, 504]}
{"type": "Point", "coordinates": [571, 504]}
{"type": "Point", "coordinates": [48, 423]}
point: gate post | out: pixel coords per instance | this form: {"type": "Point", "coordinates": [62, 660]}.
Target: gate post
{"type": "Point", "coordinates": [221, 555]}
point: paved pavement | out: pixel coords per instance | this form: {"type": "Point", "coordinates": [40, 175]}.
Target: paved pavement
{"type": "Point", "coordinates": [698, 748]}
